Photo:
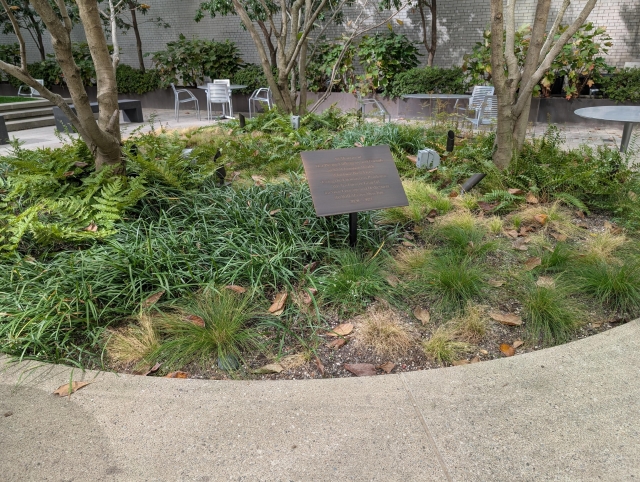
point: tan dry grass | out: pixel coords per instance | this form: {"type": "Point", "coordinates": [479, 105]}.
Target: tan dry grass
{"type": "Point", "coordinates": [602, 246]}
{"type": "Point", "coordinates": [134, 343]}
{"type": "Point", "coordinates": [559, 219]}
{"type": "Point", "coordinates": [411, 261]}
{"type": "Point", "coordinates": [384, 331]}
{"type": "Point", "coordinates": [443, 347]}
{"type": "Point", "coordinates": [472, 325]}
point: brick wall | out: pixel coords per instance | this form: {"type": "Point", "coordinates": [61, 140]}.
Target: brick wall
{"type": "Point", "coordinates": [461, 23]}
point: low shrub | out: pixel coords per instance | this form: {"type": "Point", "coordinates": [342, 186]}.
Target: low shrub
{"type": "Point", "coordinates": [133, 81]}
{"type": "Point", "coordinates": [423, 80]}
{"type": "Point", "coordinates": [622, 86]}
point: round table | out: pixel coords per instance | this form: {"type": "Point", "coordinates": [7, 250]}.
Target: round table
{"type": "Point", "coordinates": [615, 113]}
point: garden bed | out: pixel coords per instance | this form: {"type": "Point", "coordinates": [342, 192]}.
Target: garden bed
{"type": "Point", "coordinates": [171, 266]}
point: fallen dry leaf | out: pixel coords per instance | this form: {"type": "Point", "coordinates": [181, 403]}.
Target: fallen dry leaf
{"type": "Point", "coordinates": [453, 194]}
{"type": "Point", "coordinates": [612, 228]}
{"type": "Point", "coordinates": [517, 344]}
{"type": "Point", "coordinates": [422, 314]}
{"type": "Point", "coordinates": [93, 227]}
{"type": "Point", "coordinates": [177, 374]}
{"type": "Point", "coordinates": [512, 233]}
{"type": "Point", "coordinates": [457, 363]}
{"type": "Point", "coordinates": [337, 343]}
{"type": "Point", "coordinates": [196, 320]}
{"type": "Point", "coordinates": [80, 164]}
{"type": "Point", "coordinates": [320, 366]}
{"type": "Point", "coordinates": [520, 244]}
{"type": "Point", "coordinates": [259, 180]}
{"type": "Point", "coordinates": [270, 368]}
{"type": "Point", "coordinates": [532, 263]}
{"type": "Point", "coordinates": [309, 268]}
{"type": "Point", "coordinates": [153, 369]}
{"type": "Point", "coordinates": [531, 199]}
{"type": "Point", "coordinates": [67, 174]}
{"type": "Point", "coordinates": [510, 319]}
{"type": "Point", "coordinates": [581, 214]}
{"type": "Point", "coordinates": [361, 369]}
{"type": "Point", "coordinates": [69, 388]}
{"type": "Point", "coordinates": [236, 288]}
{"type": "Point", "coordinates": [541, 218]}
{"type": "Point", "coordinates": [278, 302]}
{"type": "Point", "coordinates": [275, 211]}
{"type": "Point", "coordinates": [278, 313]}
{"type": "Point", "coordinates": [305, 297]}
{"type": "Point", "coordinates": [545, 282]}
{"type": "Point", "coordinates": [484, 352]}
{"type": "Point", "coordinates": [487, 206]}
{"type": "Point", "coordinates": [507, 350]}
{"type": "Point", "coordinates": [559, 237]}
{"type": "Point", "coordinates": [475, 359]}
{"type": "Point", "coordinates": [393, 280]}
{"type": "Point", "coordinates": [153, 299]}
{"type": "Point", "coordinates": [413, 159]}
{"type": "Point", "coordinates": [582, 224]}
{"type": "Point", "coordinates": [386, 367]}
{"type": "Point", "coordinates": [341, 330]}
{"type": "Point", "coordinates": [431, 216]}
{"type": "Point", "coordinates": [515, 192]}
{"type": "Point", "coordinates": [495, 283]}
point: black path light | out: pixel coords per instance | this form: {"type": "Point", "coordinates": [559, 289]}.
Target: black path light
{"type": "Point", "coordinates": [242, 120]}
{"type": "Point", "coordinates": [471, 182]}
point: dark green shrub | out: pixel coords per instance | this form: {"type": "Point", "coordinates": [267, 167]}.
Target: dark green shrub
{"type": "Point", "coordinates": [429, 80]}
{"type": "Point", "coordinates": [321, 65]}
{"type": "Point", "coordinates": [133, 81]}
{"type": "Point", "coordinates": [252, 76]}
{"type": "Point", "coordinates": [193, 60]}
{"type": "Point", "coordinates": [623, 85]}
{"type": "Point", "coordinates": [382, 57]}
{"type": "Point", "coordinates": [9, 53]}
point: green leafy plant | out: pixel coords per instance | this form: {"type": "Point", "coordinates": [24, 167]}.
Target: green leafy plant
{"type": "Point", "coordinates": [422, 80]}
{"type": "Point", "coordinates": [321, 65]}
{"type": "Point", "coordinates": [550, 315]}
{"type": "Point", "coordinates": [133, 81]}
{"type": "Point", "coordinates": [191, 60]}
{"type": "Point", "coordinates": [622, 85]}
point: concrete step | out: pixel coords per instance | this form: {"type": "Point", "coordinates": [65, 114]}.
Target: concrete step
{"type": "Point", "coordinates": [30, 123]}
{"type": "Point", "coordinates": [17, 106]}
{"type": "Point", "coordinates": [20, 114]}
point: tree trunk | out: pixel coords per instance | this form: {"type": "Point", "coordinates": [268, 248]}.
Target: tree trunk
{"type": "Point", "coordinates": [302, 71]}
{"type": "Point", "coordinates": [134, 25]}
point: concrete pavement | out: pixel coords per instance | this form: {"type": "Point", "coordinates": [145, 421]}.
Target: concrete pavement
{"type": "Point", "coordinates": [569, 413]}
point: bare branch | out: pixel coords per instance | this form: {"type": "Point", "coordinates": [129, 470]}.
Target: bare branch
{"type": "Point", "coordinates": [65, 15]}
{"type": "Point", "coordinates": [554, 28]}
{"type": "Point", "coordinates": [16, 29]}
{"type": "Point", "coordinates": [509, 48]}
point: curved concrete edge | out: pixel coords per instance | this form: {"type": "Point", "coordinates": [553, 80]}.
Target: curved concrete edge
{"type": "Point", "coordinates": [570, 412]}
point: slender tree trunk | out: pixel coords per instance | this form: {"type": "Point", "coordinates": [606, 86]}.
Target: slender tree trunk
{"type": "Point", "coordinates": [434, 33]}
{"type": "Point", "coordinates": [36, 29]}
{"type": "Point", "coordinates": [302, 70]}
{"type": "Point", "coordinates": [136, 31]}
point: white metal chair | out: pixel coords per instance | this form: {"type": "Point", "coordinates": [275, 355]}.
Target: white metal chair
{"type": "Point", "coordinates": [28, 91]}
{"type": "Point", "coordinates": [379, 109]}
{"type": "Point", "coordinates": [263, 94]}
{"type": "Point", "coordinates": [486, 114]}
{"type": "Point", "coordinates": [479, 93]}
{"type": "Point", "coordinates": [218, 94]}
{"type": "Point", "coordinates": [178, 101]}
{"type": "Point", "coordinates": [226, 82]}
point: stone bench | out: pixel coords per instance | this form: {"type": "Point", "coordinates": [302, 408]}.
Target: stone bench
{"type": "Point", "coordinates": [131, 112]}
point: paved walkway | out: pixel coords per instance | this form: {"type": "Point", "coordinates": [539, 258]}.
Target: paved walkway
{"type": "Point", "coordinates": [569, 413]}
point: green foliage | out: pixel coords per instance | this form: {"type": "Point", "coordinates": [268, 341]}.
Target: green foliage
{"type": "Point", "coordinates": [320, 67]}
{"type": "Point", "coordinates": [383, 56]}
{"type": "Point", "coordinates": [9, 53]}
{"type": "Point", "coordinates": [133, 81]}
{"type": "Point", "coordinates": [623, 85]}
{"type": "Point", "coordinates": [443, 348]}
{"type": "Point", "coordinates": [453, 280]}
{"type": "Point", "coordinates": [615, 285]}
{"type": "Point", "coordinates": [227, 331]}
{"type": "Point", "coordinates": [191, 60]}
{"type": "Point", "coordinates": [551, 317]}
{"type": "Point", "coordinates": [581, 59]}
{"type": "Point", "coordinates": [252, 76]}
{"type": "Point", "coordinates": [422, 80]}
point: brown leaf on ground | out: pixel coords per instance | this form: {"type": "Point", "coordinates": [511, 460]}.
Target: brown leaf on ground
{"type": "Point", "coordinates": [341, 330]}
{"type": "Point", "coordinates": [612, 228]}
{"type": "Point", "coordinates": [487, 207]}
{"type": "Point", "coordinates": [532, 263]}
{"type": "Point", "coordinates": [541, 218]}
{"type": "Point", "coordinates": [520, 244]}
{"type": "Point", "coordinates": [305, 297]}
{"type": "Point", "coordinates": [236, 288]}
{"type": "Point", "coordinates": [581, 214]}
{"type": "Point", "coordinates": [393, 280]}
{"type": "Point", "coordinates": [275, 211]}
{"type": "Point", "coordinates": [545, 282]}
{"type": "Point", "coordinates": [422, 314]}
{"type": "Point", "coordinates": [413, 159]}
{"type": "Point", "coordinates": [337, 343]}
{"type": "Point", "coordinates": [80, 164]}
{"type": "Point", "coordinates": [309, 268]}
{"type": "Point", "coordinates": [582, 224]}
{"type": "Point", "coordinates": [259, 180]}
{"type": "Point", "coordinates": [517, 344]}
{"type": "Point", "coordinates": [525, 229]}
{"type": "Point", "coordinates": [69, 388]}
{"type": "Point", "coordinates": [510, 319]}
{"type": "Point", "coordinates": [475, 359]}
{"type": "Point", "coordinates": [495, 283]}
{"type": "Point", "coordinates": [431, 216]}
{"type": "Point", "coordinates": [177, 374]}
{"type": "Point", "coordinates": [93, 227]}
{"type": "Point", "coordinates": [484, 352]}
{"type": "Point", "coordinates": [278, 313]}
{"type": "Point", "coordinates": [512, 233]}
{"type": "Point", "coordinates": [531, 198]}
{"type": "Point", "coordinates": [453, 194]}
{"type": "Point", "coordinates": [153, 369]}
{"type": "Point", "coordinates": [386, 367]}
{"type": "Point", "coordinates": [306, 222]}
{"type": "Point", "coordinates": [559, 237]}
{"type": "Point", "coordinates": [361, 369]}
{"type": "Point", "coordinates": [320, 366]}
{"type": "Point", "coordinates": [278, 302]}
{"type": "Point", "coordinates": [457, 363]}
{"type": "Point", "coordinates": [67, 174]}
{"type": "Point", "coordinates": [153, 299]}
{"type": "Point", "coordinates": [407, 244]}
{"type": "Point", "coordinates": [507, 350]}
{"type": "Point", "coordinates": [270, 368]}
{"type": "Point", "coordinates": [357, 144]}
{"type": "Point", "coordinates": [7, 414]}
{"type": "Point", "coordinates": [195, 319]}
{"type": "Point", "coordinates": [515, 192]}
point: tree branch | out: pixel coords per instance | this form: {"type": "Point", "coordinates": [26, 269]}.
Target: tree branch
{"type": "Point", "coordinates": [554, 28]}
{"type": "Point", "coordinates": [16, 29]}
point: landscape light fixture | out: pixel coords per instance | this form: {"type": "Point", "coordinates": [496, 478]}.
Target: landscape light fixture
{"type": "Point", "coordinates": [242, 120]}
{"type": "Point", "coordinates": [451, 136]}
{"type": "Point", "coordinates": [295, 121]}
{"type": "Point", "coordinates": [471, 182]}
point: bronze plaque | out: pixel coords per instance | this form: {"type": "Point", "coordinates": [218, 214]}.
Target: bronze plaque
{"type": "Point", "coordinates": [353, 180]}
